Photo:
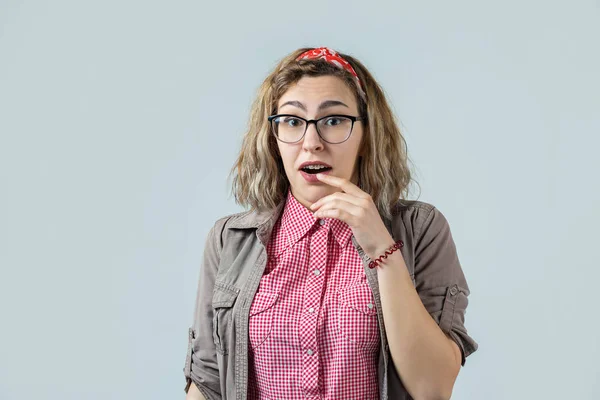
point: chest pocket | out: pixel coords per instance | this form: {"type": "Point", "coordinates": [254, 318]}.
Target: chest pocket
{"type": "Point", "coordinates": [224, 297]}
{"type": "Point", "coordinates": [261, 317]}
{"type": "Point", "coordinates": [357, 316]}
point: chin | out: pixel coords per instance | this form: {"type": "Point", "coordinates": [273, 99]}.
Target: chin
{"type": "Point", "coordinates": [312, 192]}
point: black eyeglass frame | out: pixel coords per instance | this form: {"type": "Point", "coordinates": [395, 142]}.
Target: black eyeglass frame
{"type": "Point", "coordinates": [270, 118]}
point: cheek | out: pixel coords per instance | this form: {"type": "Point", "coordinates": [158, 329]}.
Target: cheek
{"type": "Point", "coordinates": [350, 155]}
{"type": "Point", "coordinates": [288, 159]}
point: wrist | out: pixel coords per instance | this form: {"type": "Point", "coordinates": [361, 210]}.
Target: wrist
{"type": "Point", "coordinates": [385, 251]}
{"type": "Point", "coordinates": [381, 248]}
{"type": "Point", "coordinates": [379, 244]}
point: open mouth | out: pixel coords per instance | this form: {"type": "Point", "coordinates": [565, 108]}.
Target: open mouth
{"type": "Point", "coordinates": [313, 170]}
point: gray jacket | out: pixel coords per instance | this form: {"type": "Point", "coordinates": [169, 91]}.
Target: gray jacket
{"type": "Point", "coordinates": [234, 261]}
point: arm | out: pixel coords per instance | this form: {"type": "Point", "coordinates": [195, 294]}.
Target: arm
{"type": "Point", "coordinates": [424, 355]}
{"type": "Point", "coordinates": [201, 367]}
{"type": "Point", "coordinates": [424, 325]}
{"type": "Point", "coordinates": [426, 359]}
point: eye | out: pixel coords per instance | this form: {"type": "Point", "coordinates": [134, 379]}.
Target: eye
{"type": "Point", "coordinates": [333, 121]}
{"type": "Point", "coordinates": [292, 122]}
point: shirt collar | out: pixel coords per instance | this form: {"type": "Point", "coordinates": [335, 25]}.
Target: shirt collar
{"type": "Point", "coordinates": [297, 221]}
{"type": "Point", "coordinates": [263, 220]}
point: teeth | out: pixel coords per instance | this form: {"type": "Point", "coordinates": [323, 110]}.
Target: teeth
{"type": "Point", "coordinates": [315, 167]}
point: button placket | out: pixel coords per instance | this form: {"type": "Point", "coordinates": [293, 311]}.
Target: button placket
{"type": "Point", "coordinates": [312, 299]}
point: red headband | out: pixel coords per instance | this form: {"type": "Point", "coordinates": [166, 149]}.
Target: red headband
{"type": "Point", "coordinates": [332, 57]}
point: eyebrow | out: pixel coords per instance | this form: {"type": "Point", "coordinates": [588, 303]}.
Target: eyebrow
{"type": "Point", "coordinates": [322, 106]}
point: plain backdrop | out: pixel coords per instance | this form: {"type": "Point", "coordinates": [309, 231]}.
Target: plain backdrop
{"type": "Point", "coordinates": [120, 121]}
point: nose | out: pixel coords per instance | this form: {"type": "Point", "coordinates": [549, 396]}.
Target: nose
{"type": "Point", "coordinates": [312, 141]}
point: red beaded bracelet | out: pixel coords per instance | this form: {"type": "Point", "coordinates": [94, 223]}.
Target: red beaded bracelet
{"type": "Point", "coordinates": [398, 245]}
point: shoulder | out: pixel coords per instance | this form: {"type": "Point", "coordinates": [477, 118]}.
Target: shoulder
{"type": "Point", "coordinates": [231, 218]}
{"type": "Point", "coordinates": [243, 220]}
{"type": "Point", "coordinates": [417, 216]}
{"type": "Point", "coordinates": [227, 221]}
{"type": "Point", "coordinates": [412, 206]}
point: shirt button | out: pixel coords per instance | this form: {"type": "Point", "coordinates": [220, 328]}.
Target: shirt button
{"type": "Point", "coordinates": [322, 222]}
{"type": "Point", "coordinates": [311, 310]}
{"type": "Point", "coordinates": [370, 305]}
{"type": "Point", "coordinates": [317, 272]}
{"type": "Point", "coordinates": [309, 352]}
{"type": "Point", "coordinates": [454, 290]}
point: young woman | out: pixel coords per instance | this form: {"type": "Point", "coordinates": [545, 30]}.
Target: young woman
{"type": "Point", "coordinates": [332, 285]}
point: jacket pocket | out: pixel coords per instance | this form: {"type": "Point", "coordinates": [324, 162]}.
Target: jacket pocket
{"type": "Point", "coordinates": [261, 317]}
{"type": "Point", "coordinates": [357, 316]}
{"type": "Point", "coordinates": [224, 297]}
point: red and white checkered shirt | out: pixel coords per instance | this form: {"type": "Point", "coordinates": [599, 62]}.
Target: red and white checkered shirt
{"type": "Point", "coordinates": [313, 322]}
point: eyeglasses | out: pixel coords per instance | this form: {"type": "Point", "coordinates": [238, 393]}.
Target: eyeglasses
{"type": "Point", "coordinates": [332, 129]}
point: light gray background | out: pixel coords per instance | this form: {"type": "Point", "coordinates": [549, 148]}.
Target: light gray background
{"type": "Point", "coordinates": [120, 120]}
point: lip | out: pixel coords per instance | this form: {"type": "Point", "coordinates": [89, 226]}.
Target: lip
{"type": "Point", "coordinates": [312, 178]}
{"type": "Point", "coordinates": [305, 163]}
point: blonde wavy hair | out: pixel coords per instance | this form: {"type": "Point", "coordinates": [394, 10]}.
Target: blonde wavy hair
{"type": "Point", "coordinates": [259, 178]}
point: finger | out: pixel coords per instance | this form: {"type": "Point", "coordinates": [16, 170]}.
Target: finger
{"type": "Point", "coordinates": [340, 196]}
{"type": "Point", "coordinates": [343, 184]}
{"type": "Point", "coordinates": [341, 205]}
{"type": "Point", "coordinates": [337, 213]}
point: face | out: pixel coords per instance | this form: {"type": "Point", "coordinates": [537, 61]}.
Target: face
{"type": "Point", "coordinates": [306, 99]}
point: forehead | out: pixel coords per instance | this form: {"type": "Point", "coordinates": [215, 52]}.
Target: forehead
{"type": "Point", "coordinates": [311, 91]}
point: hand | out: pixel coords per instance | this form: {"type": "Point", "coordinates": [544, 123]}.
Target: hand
{"type": "Point", "coordinates": [355, 208]}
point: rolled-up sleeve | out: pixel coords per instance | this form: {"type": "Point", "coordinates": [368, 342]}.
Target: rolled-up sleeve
{"type": "Point", "coordinates": [439, 279]}
{"type": "Point", "coordinates": [201, 358]}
